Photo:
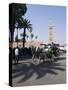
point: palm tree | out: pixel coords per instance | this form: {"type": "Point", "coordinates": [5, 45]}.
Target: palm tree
{"type": "Point", "coordinates": [17, 26]}
{"type": "Point", "coordinates": [32, 35]}
{"type": "Point", "coordinates": [16, 11]}
{"type": "Point", "coordinates": [27, 37]}
{"type": "Point", "coordinates": [36, 37]}
{"type": "Point", "coordinates": [16, 38]}
{"type": "Point", "coordinates": [25, 24]}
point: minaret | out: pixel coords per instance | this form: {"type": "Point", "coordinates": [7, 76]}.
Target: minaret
{"type": "Point", "coordinates": [50, 33]}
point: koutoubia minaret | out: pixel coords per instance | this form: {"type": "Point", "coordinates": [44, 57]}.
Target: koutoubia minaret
{"type": "Point", "coordinates": [50, 33]}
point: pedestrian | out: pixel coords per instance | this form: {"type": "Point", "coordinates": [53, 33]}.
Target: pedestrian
{"type": "Point", "coordinates": [16, 55]}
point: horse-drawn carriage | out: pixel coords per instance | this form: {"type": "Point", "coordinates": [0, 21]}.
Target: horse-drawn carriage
{"type": "Point", "coordinates": [47, 54]}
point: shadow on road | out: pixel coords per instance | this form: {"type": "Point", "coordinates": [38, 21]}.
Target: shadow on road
{"type": "Point", "coordinates": [26, 71]}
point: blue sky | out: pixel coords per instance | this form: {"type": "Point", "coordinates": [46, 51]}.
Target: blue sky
{"type": "Point", "coordinates": [41, 15]}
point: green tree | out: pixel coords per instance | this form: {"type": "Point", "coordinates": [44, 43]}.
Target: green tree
{"type": "Point", "coordinates": [16, 38]}
{"type": "Point", "coordinates": [16, 11]}
{"type": "Point", "coordinates": [25, 24]}
{"type": "Point", "coordinates": [17, 26]}
{"type": "Point", "coordinates": [27, 37]}
{"type": "Point", "coordinates": [32, 35]}
{"type": "Point", "coordinates": [36, 37]}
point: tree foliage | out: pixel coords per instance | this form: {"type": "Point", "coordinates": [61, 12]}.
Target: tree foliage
{"type": "Point", "coordinates": [16, 11]}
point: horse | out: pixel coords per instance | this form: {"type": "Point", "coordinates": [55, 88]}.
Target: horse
{"type": "Point", "coordinates": [45, 54]}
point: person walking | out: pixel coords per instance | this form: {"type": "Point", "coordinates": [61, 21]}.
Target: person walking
{"type": "Point", "coordinates": [16, 55]}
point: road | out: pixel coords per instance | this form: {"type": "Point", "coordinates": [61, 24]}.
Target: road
{"type": "Point", "coordinates": [27, 74]}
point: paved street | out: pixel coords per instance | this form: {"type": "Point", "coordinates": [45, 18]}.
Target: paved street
{"type": "Point", "coordinates": [28, 73]}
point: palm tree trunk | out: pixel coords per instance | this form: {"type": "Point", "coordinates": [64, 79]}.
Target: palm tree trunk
{"type": "Point", "coordinates": [17, 37]}
{"type": "Point", "coordinates": [24, 34]}
{"type": "Point", "coordinates": [11, 39]}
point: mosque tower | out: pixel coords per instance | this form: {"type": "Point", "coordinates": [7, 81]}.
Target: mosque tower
{"type": "Point", "coordinates": [50, 33]}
